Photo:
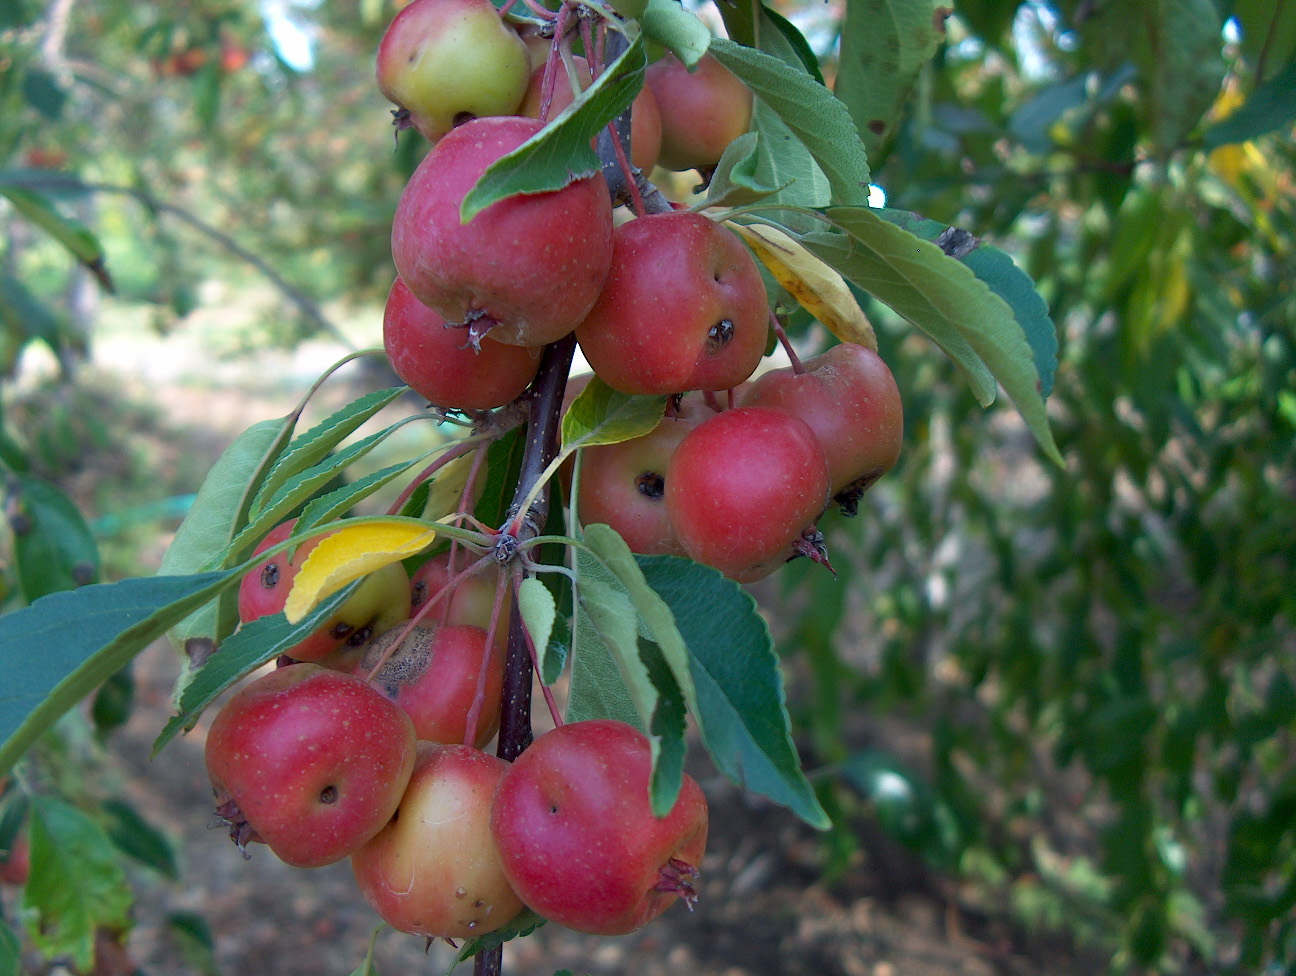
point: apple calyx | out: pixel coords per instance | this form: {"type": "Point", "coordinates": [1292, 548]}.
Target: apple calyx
{"type": "Point", "coordinates": [814, 547]}
{"type": "Point", "coordinates": [678, 877]}
{"type": "Point", "coordinates": [241, 832]}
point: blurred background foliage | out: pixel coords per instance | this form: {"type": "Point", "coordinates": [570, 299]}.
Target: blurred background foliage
{"type": "Point", "coordinates": [1071, 692]}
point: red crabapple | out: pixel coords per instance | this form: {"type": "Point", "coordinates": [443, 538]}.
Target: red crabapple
{"type": "Point", "coordinates": [310, 762]}
{"type": "Point", "coordinates": [684, 308]}
{"type": "Point", "coordinates": [441, 365]}
{"type": "Point", "coordinates": [527, 268]}
{"type": "Point", "coordinates": [576, 834]}
{"type": "Point", "coordinates": [744, 487]}
{"type": "Point", "coordinates": [702, 111]}
{"type": "Point", "coordinates": [849, 398]}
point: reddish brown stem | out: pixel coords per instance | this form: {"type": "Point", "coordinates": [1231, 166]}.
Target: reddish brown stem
{"type": "Point", "coordinates": [785, 342]}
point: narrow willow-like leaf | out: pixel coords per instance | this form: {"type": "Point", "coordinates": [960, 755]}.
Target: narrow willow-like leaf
{"type": "Point", "coordinates": [309, 449]}
{"type": "Point", "coordinates": [741, 713]}
{"type": "Point", "coordinates": [74, 236]}
{"type": "Point", "coordinates": [560, 152]}
{"type": "Point", "coordinates": [884, 47]}
{"type": "Point", "coordinates": [810, 111]}
{"type": "Point", "coordinates": [55, 549]}
{"type": "Point", "coordinates": [335, 504]}
{"type": "Point", "coordinates": [252, 645]}
{"type": "Point", "coordinates": [218, 512]}
{"type": "Point", "coordinates": [941, 295]}
{"type": "Point", "coordinates": [84, 636]}
{"type": "Point", "coordinates": [139, 839]}
{"type": "Point", "coordinates": [602, 415]}
{"type": "Point", "coordinates": [303, 486]}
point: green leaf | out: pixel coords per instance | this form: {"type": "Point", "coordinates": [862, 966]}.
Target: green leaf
{"type": "Point", "coordinates": [781, 160]}
{"type": "Point", "coordinates": [772, 33]}
{"type": "Point", "coordinates": [217, 514]}
{"type": "Point", "coordinates": [741, 710]}
{"type": "Point", "coordinates": [944, 298]}
{"type": "Point", "coordinates": [884, 47]}
{"type": "Point", "coordinates": [84, 636]}
{"type": "Point", "coordinates": [252, 645]}
{"type": "Point", "coordinates": [538, 609]}
{"type": "Point", "coordinates": [194, 937]}
{"type": "Point", "coordinates": [334, 504]}
{"type": "Point", "coordinates": [138, 839]}
{"type": "Point", "coordinates": [53, 548]}
{"type": "Point", "coordinates": [813, 114]}
{"type": "Point", "coordinates": [735, 182]}
{"type": "Point", "coordinates": [609, 679]}
{"type": "Point", "coordinates": [77, 883]}
{"type": "Point", "coordinates": [1268, 33]}
{"type": "Point", "coordinates": [503, 466]}
{"type": "Point", "coordinates": [655, 614]}
{"type": "Point", "coordinates": [75, 237]}
{"type": "Point", "coordinates": [27, 315]}
{"type": "Point", "coordinates": [1269, 107]}
{"type": "Point", "coordinates": [666, 731]}
{"type": "Point", "coordinates": [667, 23]}
{"type": "Point", "coordinates": [11, 963]}
{"type": "Point", "coordinates": [44, 93]}
{"type": "Point", "coordinates": [997, 269]}
{"type": "Point", "coordinates": [602, 415]}
{"type": "Point", "coordinates": [312, 447]}
{"type": "Point", "coordinates": [302, 487]}
{"type": "Point", "coordinates": [524, 924]}
{"type": "Point", "coordinates": [367, 968]}
{"type": "Point", "coordinates": [561, 152]}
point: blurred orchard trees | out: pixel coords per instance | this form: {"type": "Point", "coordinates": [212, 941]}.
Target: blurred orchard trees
{"type": "Point", "coordinates": [1098, 662]}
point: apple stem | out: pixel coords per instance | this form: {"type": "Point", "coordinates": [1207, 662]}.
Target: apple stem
{"type": "Point", "coordinates": [786, 343]}
{"type": "Point", "coordinates": [679, 877]}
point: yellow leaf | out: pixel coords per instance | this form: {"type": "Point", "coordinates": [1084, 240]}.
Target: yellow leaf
{"type": "Point", "coordinates": [349, 553]}
{"type": "Point", "coordinates": [815, 284]}
{"type": "Point", "coordinates": [448, 488]}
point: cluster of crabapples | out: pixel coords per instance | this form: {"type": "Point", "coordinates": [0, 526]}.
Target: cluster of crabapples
{"type": "Point", "coordinates": [367, 741]}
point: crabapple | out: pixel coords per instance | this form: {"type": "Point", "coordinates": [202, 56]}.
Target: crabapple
{"type": "Point", "coordinates": [527, 268]}
{"type": "Point", "coordinates": [434, 675]}
{"type": "Point", "coordinates": [849, 398]}
{"type": "Point", "coordinates": [446, 61]}
{"type": "Point", "coordinates": [624, 484]}
{"type": "Point", "coordinates": [702, 111]}
{"type": "Point", "coordinates": [684, 308]}
{"type": "Point", "coordinates": [745, 485]}
{"type": "Point", "coordinates": [310, 762]}
{"type": "Point", "coordinates": [577, 836]}
{"type": "Point", "coordinates": [441, 365]}
{"type": "Point", "coordinates": [380, 602]}
{"type": "Point", "coordinates": [433, 870]}
{"type": "Point", "coordinates": [645, 117]}
{"type": "Point", "coordinates": [472, 600]}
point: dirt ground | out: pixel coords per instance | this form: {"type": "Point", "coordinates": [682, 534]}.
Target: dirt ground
{"type": "Point", "coordinates": [763, 910]}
